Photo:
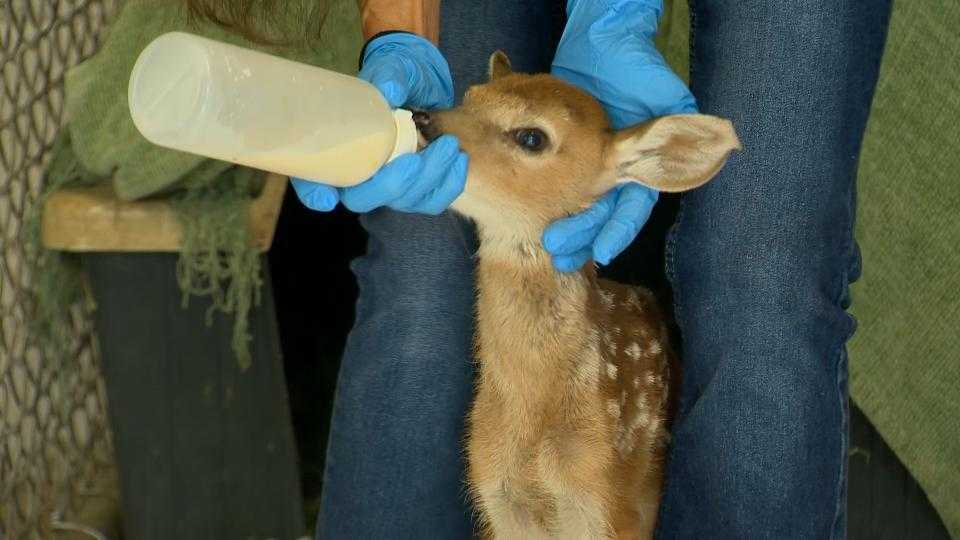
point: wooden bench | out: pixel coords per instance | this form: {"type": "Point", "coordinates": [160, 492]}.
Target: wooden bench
{"type": "Point", "coordinates": [93, 219]}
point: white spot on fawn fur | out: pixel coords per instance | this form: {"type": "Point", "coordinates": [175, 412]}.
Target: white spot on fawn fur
{"type": "Point", "coordinates": [641, 402]}
{"type": "Point", "coordinates": [588, 366]}
{"type": "Point", "coordinates": [611, 370]}
{"type": "Point", "coordinates": [611, 343]}
{"type": "Point", "coordinates": [613, 408]}
{"type": "Point", "coordinates": [626, 442]}
{"type": "Point", "coordinates": [654, 348]}
{"type": "Point", "coordinates": [628, 439]}
{"type": "Point", "coordinates": [633, 350]}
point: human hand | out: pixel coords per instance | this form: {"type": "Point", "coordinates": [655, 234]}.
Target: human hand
{"type": "Point", "coordinates": [410, 72]}
{"type": "Point", "coordinates": [608, 50]}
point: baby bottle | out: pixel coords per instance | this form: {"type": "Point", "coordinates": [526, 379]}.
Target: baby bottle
{"type": "Point", "coordinates": [225, 102]}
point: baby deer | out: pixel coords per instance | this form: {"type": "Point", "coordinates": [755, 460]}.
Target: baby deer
{"type": "Point", "coordinates": [569, 426]}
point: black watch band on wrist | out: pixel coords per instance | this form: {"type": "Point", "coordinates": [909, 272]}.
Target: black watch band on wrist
{"type": "Point", "coordinates": [363, 51]}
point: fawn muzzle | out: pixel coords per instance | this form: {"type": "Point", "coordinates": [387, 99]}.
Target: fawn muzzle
{"type": "Point", "coordinates": [427, 125]}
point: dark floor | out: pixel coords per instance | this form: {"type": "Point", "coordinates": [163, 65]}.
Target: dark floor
{"type": "Point", "coordinates": [309, 263]}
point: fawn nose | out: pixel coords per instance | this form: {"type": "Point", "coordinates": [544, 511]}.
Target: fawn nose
{"type": "Point", "coordinates": [426, 125]}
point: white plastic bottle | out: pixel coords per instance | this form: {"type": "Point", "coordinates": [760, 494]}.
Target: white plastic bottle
{"type": "Point", "coordinates": [225, 102]}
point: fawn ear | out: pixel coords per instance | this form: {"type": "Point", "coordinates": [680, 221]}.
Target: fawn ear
{"type": "Point", "coordinates": [499, 65]}
{"type": "Point", "coordinates": [672, 153]}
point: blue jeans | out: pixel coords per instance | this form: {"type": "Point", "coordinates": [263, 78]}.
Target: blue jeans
{"type": "Point", "coordinates": [760, 260]}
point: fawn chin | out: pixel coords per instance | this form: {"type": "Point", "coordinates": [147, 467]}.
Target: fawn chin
{"type": "Point", "coordinates": [569, 426]}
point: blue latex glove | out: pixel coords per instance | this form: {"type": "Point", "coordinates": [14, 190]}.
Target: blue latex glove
{"type": "Point", "coordinates": [409, 71]}
{"type": "Point", "coordinates": [608, 50]}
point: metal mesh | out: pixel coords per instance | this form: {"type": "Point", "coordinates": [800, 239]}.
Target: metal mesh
{"type": "Point", "coordinates": [53, 437]}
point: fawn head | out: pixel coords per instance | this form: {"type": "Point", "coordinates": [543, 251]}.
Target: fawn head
{"type": "Point", "coordinates": [541, 149]}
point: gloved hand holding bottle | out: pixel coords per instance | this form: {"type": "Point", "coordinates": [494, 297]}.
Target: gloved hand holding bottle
{"type": "Point", "coordinates": [410, 72]}
{"type": "Point", "coordinates": [608, 49]}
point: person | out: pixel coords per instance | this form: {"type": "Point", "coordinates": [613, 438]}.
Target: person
{"type": "Point", "coordinates": [760, 259]}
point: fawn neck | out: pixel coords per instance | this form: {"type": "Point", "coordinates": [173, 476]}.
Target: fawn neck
{"type": "Point", "coordinates": [532, 321]}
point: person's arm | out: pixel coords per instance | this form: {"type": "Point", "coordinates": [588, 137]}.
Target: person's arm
{"type": "Point", "coordinates": [421, 17]}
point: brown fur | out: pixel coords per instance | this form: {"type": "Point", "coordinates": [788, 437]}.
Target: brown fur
{"type": "Point", "coordinates": [569, 426]}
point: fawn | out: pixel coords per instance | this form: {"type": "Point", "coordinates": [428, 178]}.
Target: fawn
{"type": "Point", "coordinates": [568, 430]}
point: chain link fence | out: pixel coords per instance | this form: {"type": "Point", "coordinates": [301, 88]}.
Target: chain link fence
{"type": "Point", "coordinates": [54, 445]}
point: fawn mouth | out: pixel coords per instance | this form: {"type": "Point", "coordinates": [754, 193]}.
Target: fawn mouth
{"type": "Point", "coordinates": [426, 128]}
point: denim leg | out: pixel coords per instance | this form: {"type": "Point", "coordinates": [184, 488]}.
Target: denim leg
{"type": "Point", "coordinates": [394, 466]}
{"type": "Point", "coordinates": [760, 260]}
{"type": "Point", "coordinates": [470, 31]}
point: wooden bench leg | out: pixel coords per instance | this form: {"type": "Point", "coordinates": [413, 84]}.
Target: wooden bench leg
{"type": "Point", "coordinates": [204, 451]}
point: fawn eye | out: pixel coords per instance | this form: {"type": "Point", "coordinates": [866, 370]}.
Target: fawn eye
{"type": "Point", "coordinates": [531, 139]}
